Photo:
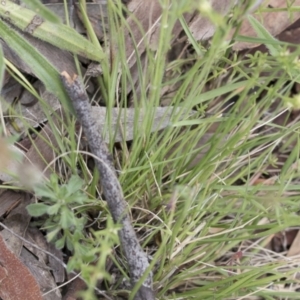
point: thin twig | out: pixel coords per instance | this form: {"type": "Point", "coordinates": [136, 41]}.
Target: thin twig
{"type": "Point", "coordinates": [136, 258]}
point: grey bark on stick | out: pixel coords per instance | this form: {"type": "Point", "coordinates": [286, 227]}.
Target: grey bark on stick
{"type": "Point", "coordinates": [136, 258]}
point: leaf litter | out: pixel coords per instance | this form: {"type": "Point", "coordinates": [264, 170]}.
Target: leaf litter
{"type": "Point", "coordinates": [122, 130]}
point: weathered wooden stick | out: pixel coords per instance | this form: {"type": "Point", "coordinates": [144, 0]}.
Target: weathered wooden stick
{"type": "Point", "coordinates": [136, 258]}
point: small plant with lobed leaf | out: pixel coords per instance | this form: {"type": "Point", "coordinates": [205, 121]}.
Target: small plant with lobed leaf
{"type": "Point", "coordinates": [57, 202]}
{"type": "Point", "coordinates": [206, 194]}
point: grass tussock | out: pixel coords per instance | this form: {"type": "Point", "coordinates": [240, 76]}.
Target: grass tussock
{"type": "Point", "coordinates": [210, 192]}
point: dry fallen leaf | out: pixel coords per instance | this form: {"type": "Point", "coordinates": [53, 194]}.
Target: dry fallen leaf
{"type": "Point", "coordinates": [283, 240]}
{"type": "Point", "coordinates": [17, 221]}
{"type": "Point", "coordinates": [148, 14]}
{"type": "Point", "coordinates": [27, 111]}
{"type": "Point", "coordinates": [17, 282]}
{"type": "Point", "coordinates": [75, 286]}
{"type": "Point", "coordinates": [122, 120]}
{"type": "Point", "coordinates": [274, 21]}
{"type": "Point", "coordinates": [36, 261]}
{"type": "Point", "coordinates": [9, 200]}
{"type": "Point", "coordinates": [57, 269]}
{"type": "Point", "coordinates": [201, 27]}
{"type": "Point", "coordinates": [295, 245]}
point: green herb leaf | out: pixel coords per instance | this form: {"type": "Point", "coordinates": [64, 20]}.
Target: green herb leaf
{"type": "Point", "coordinates": [37, 209]}
{"type": "Point", "coordinates": [54, 209]}
{"type": "Point", "coordinates": [75, 184]}
{"type": "Point", "coordinates": [67, 218]}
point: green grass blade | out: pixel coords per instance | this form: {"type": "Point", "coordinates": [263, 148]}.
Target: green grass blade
{"type": "Point", "coordinates": [38, 63]}
{"type": "Point", "coordinates": [219, 91]}
{"type": "Point", "coordinates": [59, 35]}
{"type": "Point", "coordinates": [41, 10]}
{"type": "Point", "coordinates": [261, 31]}
{"type": "Point", "coordinates": [2, 67]}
